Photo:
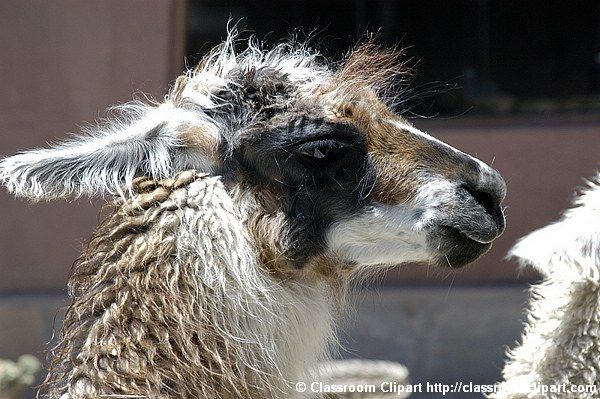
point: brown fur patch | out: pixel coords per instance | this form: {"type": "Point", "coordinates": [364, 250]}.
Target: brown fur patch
{"type": "Point", "coordinates": [401, 158]}
{"type": "Point", "coordinates": [397, 156]}
{"type": "Point", "coordinates": [268, 229]}
{"type": "Point", "coordinates": [332, 270]}
{"type": "Point", "coordinates": [268, 232]}
{"type": "Point", "coordinates": [373, 66]}
{"type": "Point", "coordinates": [200, 138]}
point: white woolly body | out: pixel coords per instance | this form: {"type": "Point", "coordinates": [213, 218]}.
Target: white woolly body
{"type": "Point", "coordinates": [561, 342]}
{"type": "Point", "coordinates": [275, 318]}
{"type": "Point", "coordinates": [281, 329]}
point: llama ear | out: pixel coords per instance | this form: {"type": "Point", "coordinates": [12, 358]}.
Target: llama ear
{"type": "Point", "coordinates": [142, 140]}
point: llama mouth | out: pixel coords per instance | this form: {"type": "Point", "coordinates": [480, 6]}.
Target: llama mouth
{"type": "Point", "coordinates": [483, 228]}
{"type": "Point", "coordinates": [455, 248]}
{"type": "Point", "coordinates": [471, 236]}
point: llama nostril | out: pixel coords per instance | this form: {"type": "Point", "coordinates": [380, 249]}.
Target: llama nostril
{"type": "Point", "coordinates": [488, 191]}
{"type": "Point", "coordinates": [488, 200]}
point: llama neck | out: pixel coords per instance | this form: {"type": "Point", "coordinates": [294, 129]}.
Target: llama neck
{"type": "Point", "coordinates": [560, 344]}
{"type": "Point", "coordinates": [170, 302]}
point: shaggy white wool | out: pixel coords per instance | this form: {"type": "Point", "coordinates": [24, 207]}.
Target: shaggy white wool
{"type": "Point", "coordinates": [214, 291]}
{"type": "Point", "coordinates": [200, 84]}
{"type": "Point", "coordinates": [561, 341]}
{"type": "Point", "coordinates": [271, 319]}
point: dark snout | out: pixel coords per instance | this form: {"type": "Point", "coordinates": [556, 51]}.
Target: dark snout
{"type": "Point", "coordinates": [475, 219]}
{"type": "Point", "coordinates": [482, 217]}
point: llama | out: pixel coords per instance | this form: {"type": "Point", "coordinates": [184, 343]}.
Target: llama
{"type": "Point", "coordinates": [244, 205]}
{"type": "Point", "coordinates": [561, 341]}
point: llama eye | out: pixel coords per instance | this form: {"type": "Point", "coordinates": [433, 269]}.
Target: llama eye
{"type": "Point", "coordinates": [318, 153]}
{"type": "Point", "coordinates": [320, 150]}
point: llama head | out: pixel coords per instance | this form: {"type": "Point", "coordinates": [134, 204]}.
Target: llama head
{"type": "Point", "coordinates": [326, 176]}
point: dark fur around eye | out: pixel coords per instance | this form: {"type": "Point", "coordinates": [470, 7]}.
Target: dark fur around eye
{"type": "Point", "coordinates": [320, 152]}
{"type": "Point", "coordinates": [318, 170]}
{"type": "Point", "coordinates": [304, 149]}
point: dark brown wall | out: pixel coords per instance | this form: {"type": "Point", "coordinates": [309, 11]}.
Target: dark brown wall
{"type": "Point", "coordinates": [63, 62]}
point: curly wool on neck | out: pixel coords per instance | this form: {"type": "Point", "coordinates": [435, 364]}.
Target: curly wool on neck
{"type": "Point", "coordinates": [170, 301]}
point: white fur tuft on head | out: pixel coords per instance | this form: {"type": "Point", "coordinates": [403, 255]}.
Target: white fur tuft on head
{"type": "Point", "coordinates": [142, 140]}
{"type": "Point", "coordinates": [146, 139]}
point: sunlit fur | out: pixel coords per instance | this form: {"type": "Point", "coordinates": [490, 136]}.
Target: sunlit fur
{"type": "Point", "coordinates": [170, 301]}
{"type": "Point", "coordinates": [561, 341]}
{"type": "Point", "coordinates": [141, 139]}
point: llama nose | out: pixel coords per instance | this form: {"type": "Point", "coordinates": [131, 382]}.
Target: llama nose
{"type": "Point", "coordinates": [488, 190]}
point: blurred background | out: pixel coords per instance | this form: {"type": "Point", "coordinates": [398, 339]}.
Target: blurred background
{"type": "Point", "coordinates": [515, 83]}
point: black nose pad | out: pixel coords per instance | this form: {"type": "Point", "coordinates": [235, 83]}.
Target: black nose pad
{"type": "Point", "coordinates": [488, 191]}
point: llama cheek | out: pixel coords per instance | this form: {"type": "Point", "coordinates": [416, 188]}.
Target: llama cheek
{"type": "Point", "coordinates": [385, 235]}
{"type": "Point", "coordinates": [394, 187]}
{"type": "Point", "coordinates": [398, 161]}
